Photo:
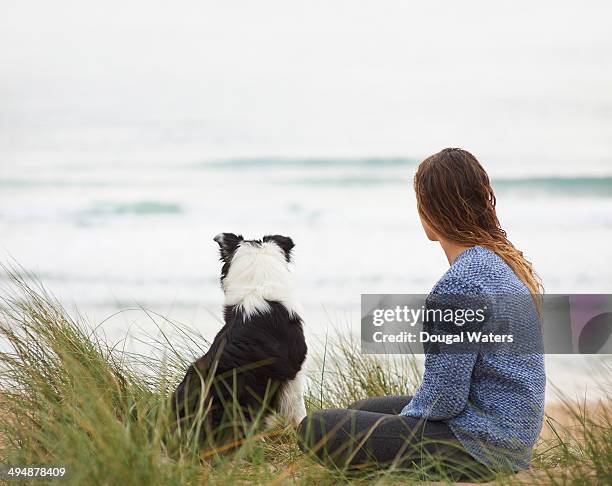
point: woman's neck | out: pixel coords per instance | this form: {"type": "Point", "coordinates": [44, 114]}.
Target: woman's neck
{"type": "Point", "coordinates": [452, 249]}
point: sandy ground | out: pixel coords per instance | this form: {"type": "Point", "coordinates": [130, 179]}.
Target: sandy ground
{"type": "Point", "coordinates": [558, 414]}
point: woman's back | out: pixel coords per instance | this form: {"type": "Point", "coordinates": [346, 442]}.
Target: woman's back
{"type": "Point", "coordinates": [492, 397]}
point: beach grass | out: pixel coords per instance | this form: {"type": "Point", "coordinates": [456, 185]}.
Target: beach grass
{"type": "Point", "coordinates": [72, 397]}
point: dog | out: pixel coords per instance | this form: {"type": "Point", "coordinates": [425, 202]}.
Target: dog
{"type": "Point", "coordinates": [253, 368]}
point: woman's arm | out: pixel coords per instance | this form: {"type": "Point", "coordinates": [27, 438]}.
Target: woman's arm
{"type": "Point", "coordinates": [445, 388]}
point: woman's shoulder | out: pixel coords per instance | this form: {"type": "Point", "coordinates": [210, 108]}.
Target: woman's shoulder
{"type": "Point", "coordinates": [479, 270]}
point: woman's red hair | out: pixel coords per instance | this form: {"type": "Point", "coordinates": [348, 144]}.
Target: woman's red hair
{"type": "Point", "coordinates": [455, 199]}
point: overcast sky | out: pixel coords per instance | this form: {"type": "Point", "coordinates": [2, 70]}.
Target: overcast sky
{"type": "Point", "coordinates": [283, 77]}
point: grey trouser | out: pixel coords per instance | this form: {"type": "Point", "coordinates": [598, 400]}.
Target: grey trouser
{"type": "Point", "coordinates": [370, 433]}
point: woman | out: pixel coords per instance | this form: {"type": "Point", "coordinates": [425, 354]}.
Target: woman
{"type": "Point", "coordinates": [475, 412]}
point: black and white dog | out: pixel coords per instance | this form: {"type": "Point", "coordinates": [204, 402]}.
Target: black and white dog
{"type": "Point", "coordinates": [256, 359]}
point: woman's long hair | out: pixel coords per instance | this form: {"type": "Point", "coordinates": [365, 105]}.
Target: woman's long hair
{"type": "Point", "coordinates": [455, 199]}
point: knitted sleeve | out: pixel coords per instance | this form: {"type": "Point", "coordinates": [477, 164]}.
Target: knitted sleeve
{"type": "Point", "coordinates": [445, 388]}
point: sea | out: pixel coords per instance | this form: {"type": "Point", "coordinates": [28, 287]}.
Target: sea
{"type": "Point", "coordinates": [131, 135]}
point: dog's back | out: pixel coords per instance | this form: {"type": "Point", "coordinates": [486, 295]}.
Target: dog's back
{"type": "Point", "coordinates": [253, 365]}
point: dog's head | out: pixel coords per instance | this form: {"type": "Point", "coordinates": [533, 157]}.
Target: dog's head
{"type": "Point", "coordinates": [254, 264]}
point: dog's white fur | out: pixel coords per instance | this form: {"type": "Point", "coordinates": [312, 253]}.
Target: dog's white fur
{"type": "Point", "coordinates": [257, 274]}
{"type": "Point", "coordinates": [291, 403]}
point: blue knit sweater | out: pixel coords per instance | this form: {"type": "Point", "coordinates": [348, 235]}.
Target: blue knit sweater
{"type": "Point", "coordinates": [493, 402]}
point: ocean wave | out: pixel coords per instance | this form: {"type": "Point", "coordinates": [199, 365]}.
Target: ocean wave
{"type": "Point", "coordinates": [369, 172]}
{"type": "Point", "coordinates": [134, 208]}
{"type": "Point", "coordinates": [386, 171]}
{"type": "Point", "coordinates": [348, 181]}
{"type": "Point", "coordinates": [15, 183]}
{"type": "Point", "coordinates": [578, 186]}
{"type": "Point", "coordinates": [600, 186]}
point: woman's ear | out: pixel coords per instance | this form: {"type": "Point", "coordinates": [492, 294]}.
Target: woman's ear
{"type": "Point", "coordinates": [228, 242]}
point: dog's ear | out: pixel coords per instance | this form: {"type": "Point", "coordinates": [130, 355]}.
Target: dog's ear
{"type": "Point", "coordinates": [228, 242]}
{"type": "Point", "coordinates": [284, 242]}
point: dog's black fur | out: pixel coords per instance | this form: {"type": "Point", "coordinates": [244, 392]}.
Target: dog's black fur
{"type": "Point", "coordinates": [249, 361]}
